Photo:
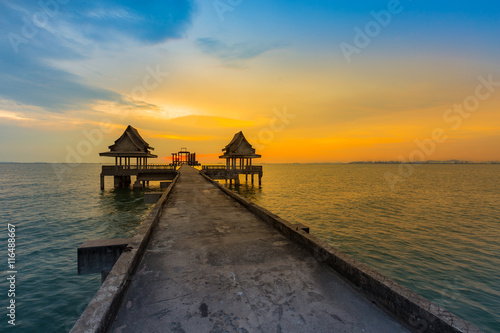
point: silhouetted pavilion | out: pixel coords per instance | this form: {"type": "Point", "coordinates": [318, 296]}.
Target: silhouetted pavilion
{"type": "Point", "coordinates": [239, 149]}
{"type": "Point", "coordinates": [130, 145]}
{"type": "Point", "coordinates": [238, 154]}
{"type": "Point", "coordinates": [183, 156]}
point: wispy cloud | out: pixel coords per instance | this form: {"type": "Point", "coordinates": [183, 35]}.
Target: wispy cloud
{"type": "Point", "coordinates": [233, 55]}
{"type": "Point", "coordinates": [36, 36]}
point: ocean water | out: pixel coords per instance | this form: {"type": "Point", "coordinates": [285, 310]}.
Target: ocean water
{"type": "Point", "coordinates": [438, 233]}
{"type": "Point", "coordinates": [53, 215]}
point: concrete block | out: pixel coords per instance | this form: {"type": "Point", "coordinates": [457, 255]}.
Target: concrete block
{"type": "Point", "coordinates": [300, 226]}
{"type": "Point", "coordinates": [152, 197]}
{"type": "Point", "coordinates": [100, 255]}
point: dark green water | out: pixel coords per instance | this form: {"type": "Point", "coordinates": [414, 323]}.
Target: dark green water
{"type": "Point", "coordinates": [53, 217]}
{"type": "Point", "coordinates": [438, 233]}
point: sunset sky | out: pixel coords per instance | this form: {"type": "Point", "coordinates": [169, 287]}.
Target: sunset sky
{"type": "Point", "coordinates": [306, 81]}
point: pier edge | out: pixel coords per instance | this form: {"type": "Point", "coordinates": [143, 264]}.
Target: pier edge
{"type": "Point", "coordinates": [414, 311]}
{"type": "Point", "coordinates": [100, 312]}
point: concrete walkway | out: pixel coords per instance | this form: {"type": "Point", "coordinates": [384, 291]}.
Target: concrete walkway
{"type": "Point", "coordinates": [212, 266]}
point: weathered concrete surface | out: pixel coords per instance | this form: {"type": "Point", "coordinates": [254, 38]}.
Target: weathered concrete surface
{"type": "Point", "coordinates": [212, 266]}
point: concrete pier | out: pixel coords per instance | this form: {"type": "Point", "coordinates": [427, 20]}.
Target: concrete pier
{"type": "Point", "coordinates": [208, 260]}
{"type": "Point", "coordinates": [211, 265]}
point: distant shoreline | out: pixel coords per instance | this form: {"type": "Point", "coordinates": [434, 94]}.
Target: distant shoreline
{"type": "Point", "coordinates": [426, 162]}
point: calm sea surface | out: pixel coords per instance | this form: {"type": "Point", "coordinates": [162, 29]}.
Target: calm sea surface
{"type": "Point", "coordinates": [53, 217]}
{"type": "Point", "coordinates": [438, 233]}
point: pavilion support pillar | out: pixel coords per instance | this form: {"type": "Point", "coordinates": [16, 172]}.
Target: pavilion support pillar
{"type": "Point", "coordinates": [260, 179]}
{"type": "Point", "coordinates": [252, 178]}
{"type": "Point", "coordinates": [118, 181]}
{"type": "Point", "coordinates": [122, 181]}
{"type": "Point", "coordinates": [102, 182]}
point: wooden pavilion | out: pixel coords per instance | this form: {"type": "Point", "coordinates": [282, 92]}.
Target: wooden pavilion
{"type": "Point", "coordinates": [238, 154]}
{"type": "Point", "coordinates": [239, 150]}
{"type": "Point", "coordinates": [183, 156]}
{"type": "Point", "coordinates": [129, 146]}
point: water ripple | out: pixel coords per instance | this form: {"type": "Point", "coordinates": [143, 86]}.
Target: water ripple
{"type": "Point", "coordinates": [52, 219]}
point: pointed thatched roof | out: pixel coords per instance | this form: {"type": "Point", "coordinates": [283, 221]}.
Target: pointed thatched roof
{"type": "Point", "coordinates": [130, 144]}
{"type": "Point", "coordinates": [239, 147]}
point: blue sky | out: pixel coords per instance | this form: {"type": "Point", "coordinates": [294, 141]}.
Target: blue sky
{"type": "Point", "coordinates": [66, 65]}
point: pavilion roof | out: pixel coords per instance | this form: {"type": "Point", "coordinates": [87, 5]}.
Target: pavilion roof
{"type": "Point", "coordinates": [130, 144]}
{"type": "Point", "coordinates": [239, 147]}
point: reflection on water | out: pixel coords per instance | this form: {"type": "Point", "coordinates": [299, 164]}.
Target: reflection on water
{"type": "Point", "coordinates": [249, 191]}
{"type": "Point", "coordinates": [116, 207]}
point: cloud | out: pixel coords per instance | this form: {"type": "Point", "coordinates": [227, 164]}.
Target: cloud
{"type": "Point", "coordinates": [36, 34]}
{"type": "Point", "coordinates": [146, 21]}
{"type": "Point", "coordinates": [233, 55]}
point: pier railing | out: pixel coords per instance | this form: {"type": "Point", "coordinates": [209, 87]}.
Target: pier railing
{"type": "Point", "coordinates": [129, 170]}
{"type": "Point", "coordinates": [138, 167]}
{"type": "Point", "coordinates": [251, 168]}
{"type": "Point", "coordinates": [222, 172]}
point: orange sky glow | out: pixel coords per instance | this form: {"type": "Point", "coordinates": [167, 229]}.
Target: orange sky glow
{"type": "Point", "coordinates": [289, 87]}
